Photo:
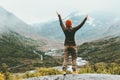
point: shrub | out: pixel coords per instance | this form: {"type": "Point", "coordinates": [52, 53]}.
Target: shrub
{"type": "Point", "coordinates": [1, 76]}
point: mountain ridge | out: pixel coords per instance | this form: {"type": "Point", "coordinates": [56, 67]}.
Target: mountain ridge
{"type": "Point", "coordinates": [9, 22]}
{"type": "Point", "coordinates": [96, 27]}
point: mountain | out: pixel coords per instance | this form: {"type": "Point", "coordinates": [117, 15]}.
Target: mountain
{"type": "Point", "coordinates": [49, 35]}
{"type": "Point", "coordinates": [17, 52]}
{"type": "Point", "coordinates": [113, 29]}
{"type": "Point", "coordinates": [9, 22]}
{"type": "Point", "coordinates": [98, 25]}
{"type": "Point", "coordinates": [102, 50]}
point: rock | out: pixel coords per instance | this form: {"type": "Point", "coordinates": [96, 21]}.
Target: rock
{"type": "Point", "coordinates": [78, 77]}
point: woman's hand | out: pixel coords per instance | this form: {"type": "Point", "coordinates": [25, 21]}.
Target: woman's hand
{"type": "Point", "coordinates": [86, 16]}
{"type": "Point", "coordinates": [58, 14]}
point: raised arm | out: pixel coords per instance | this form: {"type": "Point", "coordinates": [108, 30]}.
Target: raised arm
{"type": "Point", "coordinates": [81, 24]}
{"type": "Point", "coordinates": [61, 23]}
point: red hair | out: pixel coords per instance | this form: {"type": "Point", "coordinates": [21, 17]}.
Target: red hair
{"type": "Point", "coordinates": [68, 23]}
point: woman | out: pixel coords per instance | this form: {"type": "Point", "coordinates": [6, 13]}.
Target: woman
{"type": "Point", "coordinates": [70, 44]}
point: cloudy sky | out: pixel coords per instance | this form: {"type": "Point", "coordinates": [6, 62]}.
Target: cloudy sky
{"type": "Point", "coordinates": [33, 11]}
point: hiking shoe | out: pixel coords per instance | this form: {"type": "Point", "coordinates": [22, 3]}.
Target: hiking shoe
{"type": "Point", "coordinates": [74, 72]}
{"type": "Point", "coordinates": [63, 72]}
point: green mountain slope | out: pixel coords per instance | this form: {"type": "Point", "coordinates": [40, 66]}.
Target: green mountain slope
{"type": "Point", "coordinates": [104, 50]}
{"type": "Point", "coordinates": [17, 52]}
